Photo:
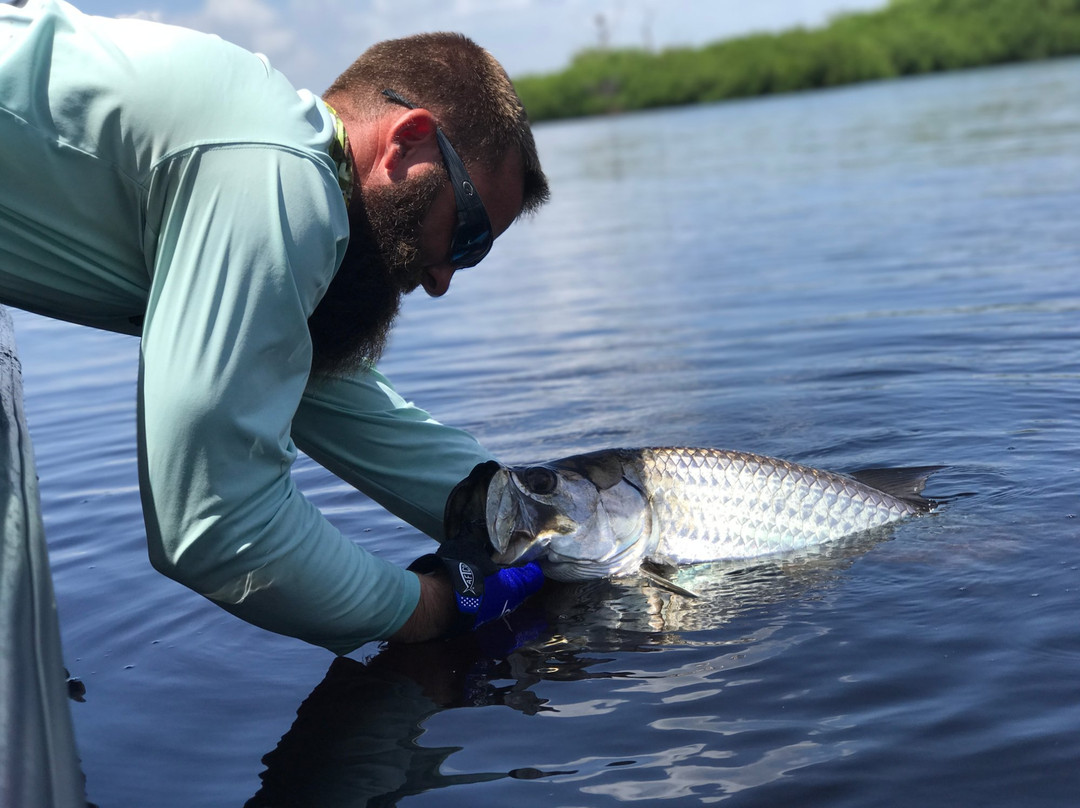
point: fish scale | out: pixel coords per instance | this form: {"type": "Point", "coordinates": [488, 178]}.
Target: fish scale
{"type": "Point", "coordinates": [713, 504]}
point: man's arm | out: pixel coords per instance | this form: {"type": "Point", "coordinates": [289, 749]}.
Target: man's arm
{"type": "Point", "coordinates": [238, 268]}
{"type": "Point", "coordinates": [358, 427]}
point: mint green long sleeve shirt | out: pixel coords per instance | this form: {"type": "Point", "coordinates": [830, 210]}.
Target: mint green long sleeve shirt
{"type": "Point", "coordinates": [161, 182]}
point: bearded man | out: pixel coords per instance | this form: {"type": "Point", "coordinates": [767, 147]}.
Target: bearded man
{"type": "Point", "coordinates": [160, 182]}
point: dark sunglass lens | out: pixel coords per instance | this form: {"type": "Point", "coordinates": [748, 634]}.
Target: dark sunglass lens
{"type": "Point", "coordinates": [471, 244]}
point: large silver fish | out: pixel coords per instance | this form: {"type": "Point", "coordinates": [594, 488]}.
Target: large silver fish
{"type": "Point", "coordinates": [605, 513]}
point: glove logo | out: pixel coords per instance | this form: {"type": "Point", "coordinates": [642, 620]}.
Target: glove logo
{"type": "Point", "coordinates": [467, 578]}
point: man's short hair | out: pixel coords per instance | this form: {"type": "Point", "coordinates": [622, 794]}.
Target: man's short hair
{"type": "Point", "coordinates": [472, 98]}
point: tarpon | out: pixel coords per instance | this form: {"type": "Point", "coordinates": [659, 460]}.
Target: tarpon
{"type": "Point", "coordinates": [606, 513]}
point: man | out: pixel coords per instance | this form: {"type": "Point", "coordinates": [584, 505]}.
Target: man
{"type": "Point", "coordinates": [161, 182]}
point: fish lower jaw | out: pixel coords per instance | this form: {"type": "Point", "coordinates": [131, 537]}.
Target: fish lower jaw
{"type": "Point", "coordinates": [573, 573]}
{"type": "Point", "coordinates": [515, 556]}
{"type": "Point", "coordinates": [571, 570]}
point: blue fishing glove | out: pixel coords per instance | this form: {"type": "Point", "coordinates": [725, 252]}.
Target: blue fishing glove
{"type": "Point", "coordinates": [483, 592]}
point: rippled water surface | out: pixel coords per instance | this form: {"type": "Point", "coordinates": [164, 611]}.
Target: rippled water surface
{"type": "Point", "coordinates": [886, 274]}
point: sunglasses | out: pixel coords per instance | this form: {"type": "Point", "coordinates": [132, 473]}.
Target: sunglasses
{"type": "Point", "coordinates": [472, 234]}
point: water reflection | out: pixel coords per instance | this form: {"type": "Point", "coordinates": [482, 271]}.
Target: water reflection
{"type": "Point", "coordinates": [355, 740]}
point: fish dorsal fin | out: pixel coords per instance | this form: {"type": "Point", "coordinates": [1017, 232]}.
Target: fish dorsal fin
{"type": "Point", "coordinates": [903, 483]}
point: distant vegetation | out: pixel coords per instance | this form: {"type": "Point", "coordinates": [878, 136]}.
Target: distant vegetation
{"type": "Point", "coordinates": [905, 38]}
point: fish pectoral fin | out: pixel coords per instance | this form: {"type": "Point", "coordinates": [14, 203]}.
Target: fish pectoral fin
{"type": "Point", "coordinates": [659, 565]}
{"type": "Point", "coordinates": [659, 580]}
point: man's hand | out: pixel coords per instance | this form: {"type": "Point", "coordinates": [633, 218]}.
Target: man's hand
{"type": "Point", "coordinates": [458, 595]}
{"type": "Point", "coordinates": [460, 586]}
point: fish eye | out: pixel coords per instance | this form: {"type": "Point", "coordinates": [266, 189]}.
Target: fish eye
{"type": "Point", "coordinates": [539, 480]}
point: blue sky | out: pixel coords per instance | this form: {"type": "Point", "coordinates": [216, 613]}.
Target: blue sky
{"type": "Point", "coordinates": [311, 41]}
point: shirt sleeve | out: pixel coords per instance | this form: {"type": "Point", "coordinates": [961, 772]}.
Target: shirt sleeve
{"type": "Point", "coordinates": [248, 241]}
{"type": "Point", "coordinates": [359, 428]}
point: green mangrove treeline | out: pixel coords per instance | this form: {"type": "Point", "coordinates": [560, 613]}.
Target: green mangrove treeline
{"type": "Point", "coordinates": [905, 38]}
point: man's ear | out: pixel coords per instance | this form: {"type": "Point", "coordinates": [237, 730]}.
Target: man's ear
{"type": "Point", "coordinates": [410, 141]}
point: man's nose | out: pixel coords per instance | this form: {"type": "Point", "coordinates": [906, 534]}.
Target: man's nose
{"type": "Point", "coordinates": [436, 280]}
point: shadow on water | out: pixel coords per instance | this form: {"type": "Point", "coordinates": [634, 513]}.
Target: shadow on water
{"type": "Point", "coordinates": [354, 741]}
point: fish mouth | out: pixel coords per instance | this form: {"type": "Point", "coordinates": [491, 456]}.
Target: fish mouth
{"type": "Point", "coordinates": [510, 523]}
{"type": "Point", "coordinates": [522, 548]}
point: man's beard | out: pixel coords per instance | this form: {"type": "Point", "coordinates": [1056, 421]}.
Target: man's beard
{"type": "Point", "coordinates": [351, 324]}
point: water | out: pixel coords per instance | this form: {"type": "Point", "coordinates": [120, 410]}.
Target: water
{"type": "Point", "coordinates": [883, 274]}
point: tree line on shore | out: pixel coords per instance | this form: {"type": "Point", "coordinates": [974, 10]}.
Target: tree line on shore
{"type": "Point", "coordinates": [907, 37]}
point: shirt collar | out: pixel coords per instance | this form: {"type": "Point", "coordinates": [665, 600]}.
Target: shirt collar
{"type": "Point", "coordinates": [339, 153]}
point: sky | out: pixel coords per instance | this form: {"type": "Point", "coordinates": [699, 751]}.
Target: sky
{"type": "Point", "coordinates": [311, 41]}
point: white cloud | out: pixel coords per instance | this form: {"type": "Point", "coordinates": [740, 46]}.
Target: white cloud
{"type": "Point", "coordinates": [255, 24]}
{"type": "Point", "coordinates": [243, 13]}
{"type": "Point", "coordinates": [152, 16]}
